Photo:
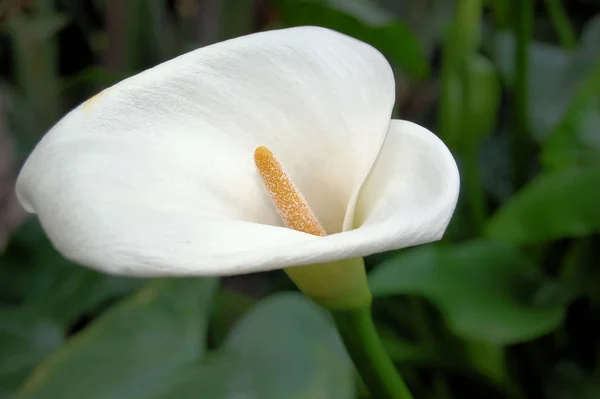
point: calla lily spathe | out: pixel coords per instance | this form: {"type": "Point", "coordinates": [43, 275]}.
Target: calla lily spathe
{"type": "Point", "coordinates": [155, 176]}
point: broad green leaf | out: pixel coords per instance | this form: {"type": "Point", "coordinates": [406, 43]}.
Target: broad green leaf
{"type": "Point", "coordinates": [132, 349]}
{"type": "Point", "coordinates": [25, 339]}
{"type": "Point", "coordinates": [483, 289]}
{"type": "Point", "coordinates": [554, 205]}
{"type": "Point", "coordinates": [33, 273]}
{"type": "Point", "coordinates": [291, 341]}
{"type": "Point", "coordinates": [222, 375]}
{"type": "Point", "coordinates": [284, 348]}
{"type": "Point", "coordinates": [364, 20]}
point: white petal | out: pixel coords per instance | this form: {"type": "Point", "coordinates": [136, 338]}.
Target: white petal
{"type": "Point", "coordinates": [411, 193]}
{"type": "Point", "coordinates": [156, 175]}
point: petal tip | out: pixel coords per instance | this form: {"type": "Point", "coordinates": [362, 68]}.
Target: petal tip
{"type": "Point", "coordinates": [21, 193]}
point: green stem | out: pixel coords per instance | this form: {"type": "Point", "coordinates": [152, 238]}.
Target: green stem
{"type": "Point", "coordinates": [467, 29]}
{"type": "Point", "coordinates": [463, 40]}
{"type": "Point", "coordinates": [520, 144]}
{"type": "Point", "coordinates": [560, 20]}
{"type": "Point", "coordinates": [368, 354]}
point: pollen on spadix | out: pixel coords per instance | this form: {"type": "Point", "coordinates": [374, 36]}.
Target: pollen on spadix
{"type": "Point", "coordinates": [290, 203]}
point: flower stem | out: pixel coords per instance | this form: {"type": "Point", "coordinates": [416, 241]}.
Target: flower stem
{"type": "Point", "coordinates": [459, 46]}
{"type": "Point", "coordinates": [368, 354]}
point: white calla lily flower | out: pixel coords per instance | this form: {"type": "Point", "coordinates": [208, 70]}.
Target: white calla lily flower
{"type": "Point", "coordinates": [156, 176]}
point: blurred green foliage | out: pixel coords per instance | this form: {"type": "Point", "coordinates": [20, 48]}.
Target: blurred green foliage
{"type": "Point", "coordinates": [506, 306]}
{"type": "Point", "coordinates": [486, 291]}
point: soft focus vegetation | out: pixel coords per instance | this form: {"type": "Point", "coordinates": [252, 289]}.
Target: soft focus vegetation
{"type": "Point", "coordinates": [507, 305]}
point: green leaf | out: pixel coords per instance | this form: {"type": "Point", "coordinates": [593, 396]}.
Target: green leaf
{"type": "Point", "coordinates": [554, 205]}
{"type": "Point", "coordinates": [364, 20]}
{"type": "Point", "coordinates": [222, 375]}
{"type": "Point", "coordinates": [284, 348]}
{"type": "Point", "coordinates": [25, 339]}
{"type": "Point", "coordinates": [483, 289]}
{"type": "Point", "coordinates": [33, 273]}
{"type": "Point", "coordinates": [133, 348]}
{"type": "Point", "coordinates": [296, 349]}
